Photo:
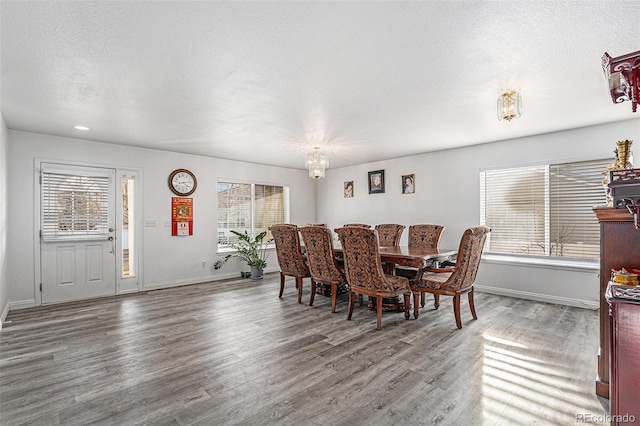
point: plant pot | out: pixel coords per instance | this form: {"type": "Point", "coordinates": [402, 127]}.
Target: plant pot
{"type": "Point", "coordinates": [256, 273]}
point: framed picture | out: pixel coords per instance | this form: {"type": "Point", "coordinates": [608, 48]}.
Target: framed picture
{"type": "Point", "coordinates": [348, 189]}
{"type": "Point", "coordinates": [376, 182]}
{"type": "Point", "coordinates": [408, 184]}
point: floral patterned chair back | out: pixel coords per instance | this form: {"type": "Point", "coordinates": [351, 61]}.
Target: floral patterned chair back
{"type": "Point", "coordinates": [318, 243]}
{"type": "Point", "coordinates": [360, 225]}
{"type": "Point", "coordinates": [389, 234]}
{"type": "Point", "coordinates": [427, 235]}
{"type": "Point", "coordinates": [288, 249]}
{"type": "Point", "coordinates": [468, 261]}
{"type": "Point", "coordinates": [290, 257]}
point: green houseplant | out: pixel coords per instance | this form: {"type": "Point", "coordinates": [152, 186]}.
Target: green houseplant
{"type": "Point", "coordinates": [251, 250]}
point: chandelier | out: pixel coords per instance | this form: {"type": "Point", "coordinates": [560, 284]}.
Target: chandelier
{"type": "Point", "coordinates": [509, 105]}
{"type": "Point", "coordinates": [316, 162]}
{"type": "Point", "coordinates": [623, 74]}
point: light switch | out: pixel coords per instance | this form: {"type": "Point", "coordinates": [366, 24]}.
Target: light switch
{"type": "Point", "coordinates": [150, 222]}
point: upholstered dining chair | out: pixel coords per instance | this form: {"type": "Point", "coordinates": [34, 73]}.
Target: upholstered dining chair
{"type": "Point", "coordinates": [290, 258]}
{"type": "Point", "coordinates": [424, 236]}
{"type": "Point", "coordinates": [389, 234]}
{"type": "Point", "coordinates": [457, 280]}
{"type": "Point", "coordinates": [318, 243]}
{"type": "Point", "coordinates": [361, 225]}
{"type": "Point", "coordinates": [363, 269]}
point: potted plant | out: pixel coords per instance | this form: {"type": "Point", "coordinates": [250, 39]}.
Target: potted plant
{"type": "Point", "coordinates": [252, 251]}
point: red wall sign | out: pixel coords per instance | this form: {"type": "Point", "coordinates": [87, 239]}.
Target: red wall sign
{"type": "Point", "coordinates": [181, 216]}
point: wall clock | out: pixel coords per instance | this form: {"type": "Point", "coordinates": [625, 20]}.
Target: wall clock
{"type": "Point", "coordinates": [182, 182]}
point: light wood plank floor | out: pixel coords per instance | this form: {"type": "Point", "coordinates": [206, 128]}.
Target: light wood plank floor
{"type": "Point", "coordinates": [231, 352]}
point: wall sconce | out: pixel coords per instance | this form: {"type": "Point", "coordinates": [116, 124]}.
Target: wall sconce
{"type": "Point", "coordinates": [509, 105]}
{"type": "Point", "coordinates": [623, 74]}
{"type": "Point", "coordinates": [316, 162]}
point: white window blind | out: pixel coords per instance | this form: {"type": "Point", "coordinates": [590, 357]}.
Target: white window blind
{"type": "Point", "coordinates": [544, 210]}
{"type": "Point", "coordinates": [74, 205]}
{"type": "Point", "coordinates": [249, 207]}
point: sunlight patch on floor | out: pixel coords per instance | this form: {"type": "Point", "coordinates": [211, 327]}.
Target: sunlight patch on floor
{"type": "Point", "coordinates": [520, 386]}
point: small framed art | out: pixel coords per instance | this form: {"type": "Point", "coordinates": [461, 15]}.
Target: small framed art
{"type": "Point", "coordinates": [348, 189]}
{"type": "Point", "coordinates": [376, 182]}
{"type": "Point", "coordinates": [408, 184]}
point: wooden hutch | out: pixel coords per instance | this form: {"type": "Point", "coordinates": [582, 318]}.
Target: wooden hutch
{"type": "Point", "coordinates": [619, 247]}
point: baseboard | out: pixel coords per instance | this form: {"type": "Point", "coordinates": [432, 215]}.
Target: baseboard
{"type": "Point", "coordinates": [22, 304]}
{"type": "Point", "coordinates": [578, 303]}
{"type": "Point", "coordinates": [199, 280]}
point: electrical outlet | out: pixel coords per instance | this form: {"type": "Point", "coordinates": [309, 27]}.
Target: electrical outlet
{"type": "Point", "coordinates": [150, 222]}
{"type": "Point", "coordinates": [167, 223]}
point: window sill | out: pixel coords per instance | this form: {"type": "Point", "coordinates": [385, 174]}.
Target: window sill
{"type": "Point", "coordinates": [536, 262]}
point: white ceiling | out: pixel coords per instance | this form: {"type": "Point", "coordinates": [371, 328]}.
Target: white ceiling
{"type": "Point", "coordinates": [266, 81]}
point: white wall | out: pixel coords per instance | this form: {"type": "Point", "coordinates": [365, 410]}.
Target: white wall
{"type": "Point", "coordinates": [167, 261]}
{"type": "Point", "coordinates": [447, 193]}
{"type": "Point", "coordinates": [4, 287]}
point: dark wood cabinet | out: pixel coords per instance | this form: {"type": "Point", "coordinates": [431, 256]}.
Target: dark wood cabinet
{"type": "Point", "coordinates": [624, 385]}
{"type": "Point", "coordinates": [619, 247]}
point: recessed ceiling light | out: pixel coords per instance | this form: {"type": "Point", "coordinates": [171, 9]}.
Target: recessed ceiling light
{"type": "Point", "coordinates": [81, 128]}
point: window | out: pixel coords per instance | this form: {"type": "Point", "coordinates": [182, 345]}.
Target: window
{"type": "Point", "coordinates": [74, 205]}
{"type": "Point", "coordinates": [249, 207]}
{"type": "Point", "coordinates": [544, 210]}
{"type": "Point", "coordinates": [128, 226]}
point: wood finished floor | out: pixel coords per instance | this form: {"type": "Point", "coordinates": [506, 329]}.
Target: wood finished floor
{"type": "Point", "coordinates": [231, 352]}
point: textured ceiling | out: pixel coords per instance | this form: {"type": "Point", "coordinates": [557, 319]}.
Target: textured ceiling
{"type": "Point", "coordinates": [266, 81]}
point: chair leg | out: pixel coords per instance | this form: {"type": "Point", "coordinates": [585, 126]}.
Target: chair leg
{"type": "Point", "coordinates": [471, 305]}
{"type": "Point", "coordinates": [313, 292]}
{"type": "Point", "coordinates": [352, 299]}
{"type": "Point", "coordinates": [423, 298]}
{"type": "Point", "coordinates": [416, 299]}
{"type": "Point", "coordinates": [360, 299]}
{"type": "Point", "coordinates": [299, 286]}
{"type": "Point", "coordinates": [281, 284]}
{"type": "Point", "coordinates": [334, 290]}
{"type": "Point", "coordinates": [456, 309]}
{"type": "Point", "coordinates": [436, 301]}
{"type": "Point", "coordinates": [379, 312]}
{"type": "Point", "coordinates": [407, 305]}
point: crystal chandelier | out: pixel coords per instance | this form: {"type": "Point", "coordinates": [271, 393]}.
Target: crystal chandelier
{"type": "Point", "coordinates": [509, 105]}
{"type": "Point", "coordinates": [316, 162]}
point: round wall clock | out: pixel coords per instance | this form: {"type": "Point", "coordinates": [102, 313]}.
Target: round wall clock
{"type": "Point", "coordinates": [182, 182]}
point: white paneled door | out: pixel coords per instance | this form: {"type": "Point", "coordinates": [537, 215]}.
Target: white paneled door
{"type": "Point", "coordinates": [77, 232]}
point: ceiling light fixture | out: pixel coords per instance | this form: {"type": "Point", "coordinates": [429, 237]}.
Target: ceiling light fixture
{"type": "Point", "coordinates": [316, 162]}
{"type": "Point", "coordinates": [81, 127]}
{"type": "Point", "coordinates": [623, 74]}
{"type": "Point", "coordinates": [509, 105]}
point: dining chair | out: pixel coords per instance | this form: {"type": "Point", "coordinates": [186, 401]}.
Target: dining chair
{"type": "Point", "coordinates": [363, 269]}
{"type": "Point", "coordinates": [457, 280]}
{"type": "Point", "coordinates": [361, 225]}
{"type": "Point", "coordinates": [424, 236]}
{"type": "Point", "coordinates": [318, 243]}
{"type": "Point", "coordinates": [290, 258]}
{"type": "Point", "coordinates": [389, 234]}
